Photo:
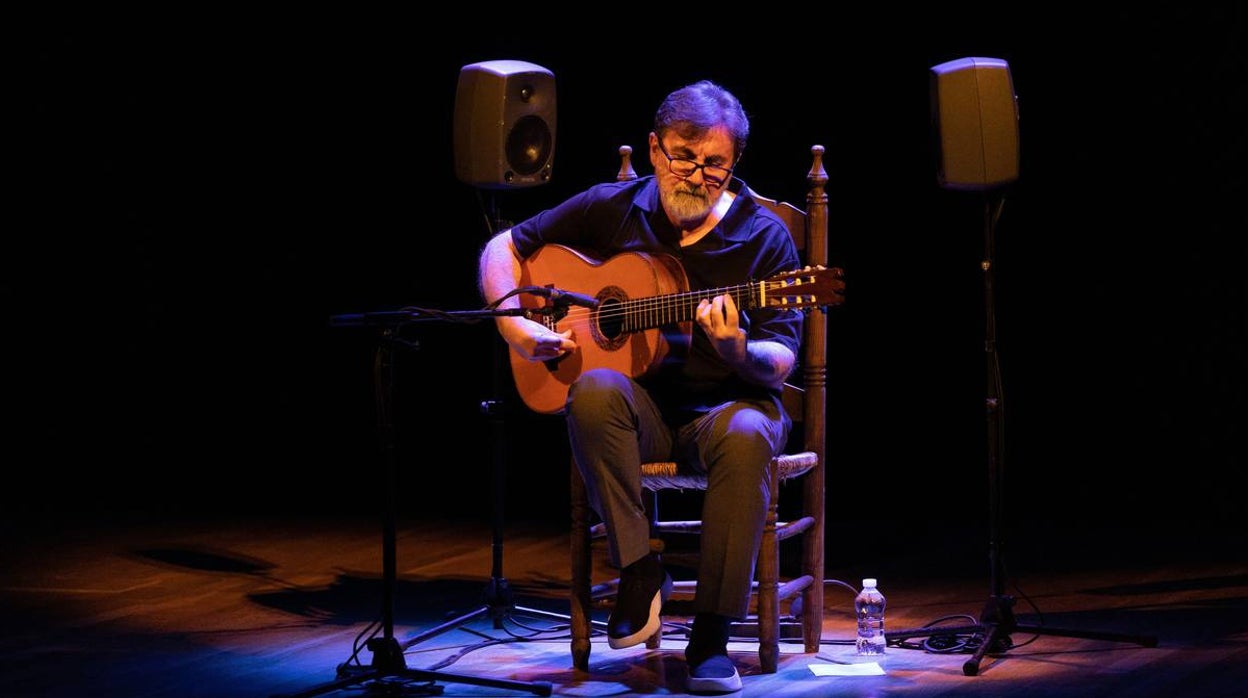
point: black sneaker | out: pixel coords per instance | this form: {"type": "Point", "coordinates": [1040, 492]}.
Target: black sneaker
{"type": "Point", "coordinates": [644, 587]}
{"type": "Point", "coordinates": [713, 674]}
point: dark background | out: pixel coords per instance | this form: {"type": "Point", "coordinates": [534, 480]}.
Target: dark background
{"type": "Point", "coordinates": [198, 197]}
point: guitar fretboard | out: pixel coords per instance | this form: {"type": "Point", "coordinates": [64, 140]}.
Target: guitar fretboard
{"type": "Point", "coordinates": [643, 313]}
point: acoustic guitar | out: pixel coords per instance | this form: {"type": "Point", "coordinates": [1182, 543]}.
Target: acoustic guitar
{"type": "Point", "coordinates": [645, 313]}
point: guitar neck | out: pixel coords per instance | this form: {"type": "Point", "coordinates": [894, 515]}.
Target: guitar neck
{"type": "Point", "coordinates": [655, 311]}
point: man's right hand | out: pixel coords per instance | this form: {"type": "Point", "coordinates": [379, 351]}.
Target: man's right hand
{"type": "Point", "coordinates": [534, 341]}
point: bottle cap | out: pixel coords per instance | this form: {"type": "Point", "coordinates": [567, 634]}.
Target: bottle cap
{"type": "Point", "coordinates": [869, 582]}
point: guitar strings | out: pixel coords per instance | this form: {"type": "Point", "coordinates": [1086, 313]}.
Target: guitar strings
{"type": "Point", "coordinates": [686, 300]}
{"type": "Point", "coordinates": [654, 311]}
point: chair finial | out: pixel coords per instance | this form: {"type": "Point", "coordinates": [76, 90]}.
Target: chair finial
{"type": "Point", "coordinates": [626, 173]}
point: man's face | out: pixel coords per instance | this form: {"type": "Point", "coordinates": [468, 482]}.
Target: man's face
{"type": "Point", "coordinates": [691, 174]}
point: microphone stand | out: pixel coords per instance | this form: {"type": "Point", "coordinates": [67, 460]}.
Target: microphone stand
{"type": "Point", "coordinates": [388, 674]}
{"type": "Point", "coordinates": [499, 602]}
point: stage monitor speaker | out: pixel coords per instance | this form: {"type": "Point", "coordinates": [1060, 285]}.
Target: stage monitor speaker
{"type": "Point", "coordinates": [504, 124]}
{"type": "Point", "coordinates": [975, 124]}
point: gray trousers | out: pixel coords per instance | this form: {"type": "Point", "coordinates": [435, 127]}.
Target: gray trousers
{"type": "Point", "coordinates": [614, 426]}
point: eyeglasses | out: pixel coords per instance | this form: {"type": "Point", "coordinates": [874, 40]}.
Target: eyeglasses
{"type": "Point", "coordinates": [713, 175]}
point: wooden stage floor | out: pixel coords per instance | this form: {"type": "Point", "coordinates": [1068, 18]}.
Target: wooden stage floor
{"type": "Point", "coordinates": [217, 607]}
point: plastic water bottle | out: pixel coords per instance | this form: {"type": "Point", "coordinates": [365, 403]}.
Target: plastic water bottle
{"type": "Point", "coordinates": [869, 605]}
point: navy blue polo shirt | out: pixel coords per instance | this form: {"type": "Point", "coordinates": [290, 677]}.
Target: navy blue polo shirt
{"type": "Point", "coordinates": [750, 243]}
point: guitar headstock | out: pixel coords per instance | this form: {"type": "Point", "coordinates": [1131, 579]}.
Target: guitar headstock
{"type": "Point", "coordinates": [805, 288]}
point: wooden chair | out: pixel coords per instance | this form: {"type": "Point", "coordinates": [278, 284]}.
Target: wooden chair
{"type": "Point", "coordinates": [801, 471]}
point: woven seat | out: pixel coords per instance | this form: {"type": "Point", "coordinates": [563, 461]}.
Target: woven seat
{"type": "Point", "coordinates": [667, 475]}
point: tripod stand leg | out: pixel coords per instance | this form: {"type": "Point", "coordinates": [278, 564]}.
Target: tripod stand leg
{"type": "Point", "coordinates": [995, 635]}
{"type": "Point", "coordinates": [449, 625]}
{"type": "Point", "coordinates": [333, 685]}
{"type": "Point", "coordinates": [1141, 640]}
{"type": "Point", "coordinates": [388, 663]}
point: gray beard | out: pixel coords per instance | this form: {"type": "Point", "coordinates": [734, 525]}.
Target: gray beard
{"type": "Point", "coordinates": [689, 206]}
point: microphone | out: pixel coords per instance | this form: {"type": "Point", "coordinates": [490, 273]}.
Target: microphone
{"type": "Point", "coordinates": [560, 297]}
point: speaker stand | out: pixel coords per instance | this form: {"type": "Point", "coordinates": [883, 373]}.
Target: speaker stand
{"type": "Point", "coordinates": [997, 621]}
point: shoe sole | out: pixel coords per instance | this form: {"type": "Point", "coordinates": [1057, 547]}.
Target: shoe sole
{"type": "Point", "coordinates": [725, 684]}
{"type": "Point", "coordinates": [652, 625]}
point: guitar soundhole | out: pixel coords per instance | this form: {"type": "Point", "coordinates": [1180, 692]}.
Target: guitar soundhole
{"type": "Point", "coordinates": [609, 329]}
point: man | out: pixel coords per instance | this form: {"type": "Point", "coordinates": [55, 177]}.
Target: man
{"type": "Point", "coordinates": [715, 407]}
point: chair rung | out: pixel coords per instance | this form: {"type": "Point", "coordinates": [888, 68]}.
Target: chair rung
{"type": "Point", "coordinates": [748, 629]}
{"type": "Point", "coordinates": [794, 586]}
{"type": "Point", "coordinates": [785, 590]}
{"type": "Point", "coordinates": [678, 526]}
{"type": "Point", "coordinates": [784, 529]}
{"type": "Point", "coordinates": [789, 529]}
{"type": "Point", "coordinates": [604, 590]}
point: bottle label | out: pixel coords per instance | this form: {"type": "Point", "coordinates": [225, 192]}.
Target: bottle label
{"type": "Point", "coordinates": [872, 645]}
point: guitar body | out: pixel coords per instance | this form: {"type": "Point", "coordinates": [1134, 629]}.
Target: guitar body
{"type": "Point", "coordinates": [602, 341]}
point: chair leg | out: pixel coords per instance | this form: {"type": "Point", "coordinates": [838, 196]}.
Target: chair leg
{"type": "Point", "coordinates": [813, 564]}
{"type": "Point", "coordinates": [812, 617]}
{"type": "Point", "coordinates": [650, 499]}
{"type": "Point", "coordinates": [581, 564]}
{"type": "Point", "coordinates": [769, 583]}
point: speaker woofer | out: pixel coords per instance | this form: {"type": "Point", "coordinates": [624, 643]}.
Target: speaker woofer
{"type": "Point", "coordinates": [529, 145]}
